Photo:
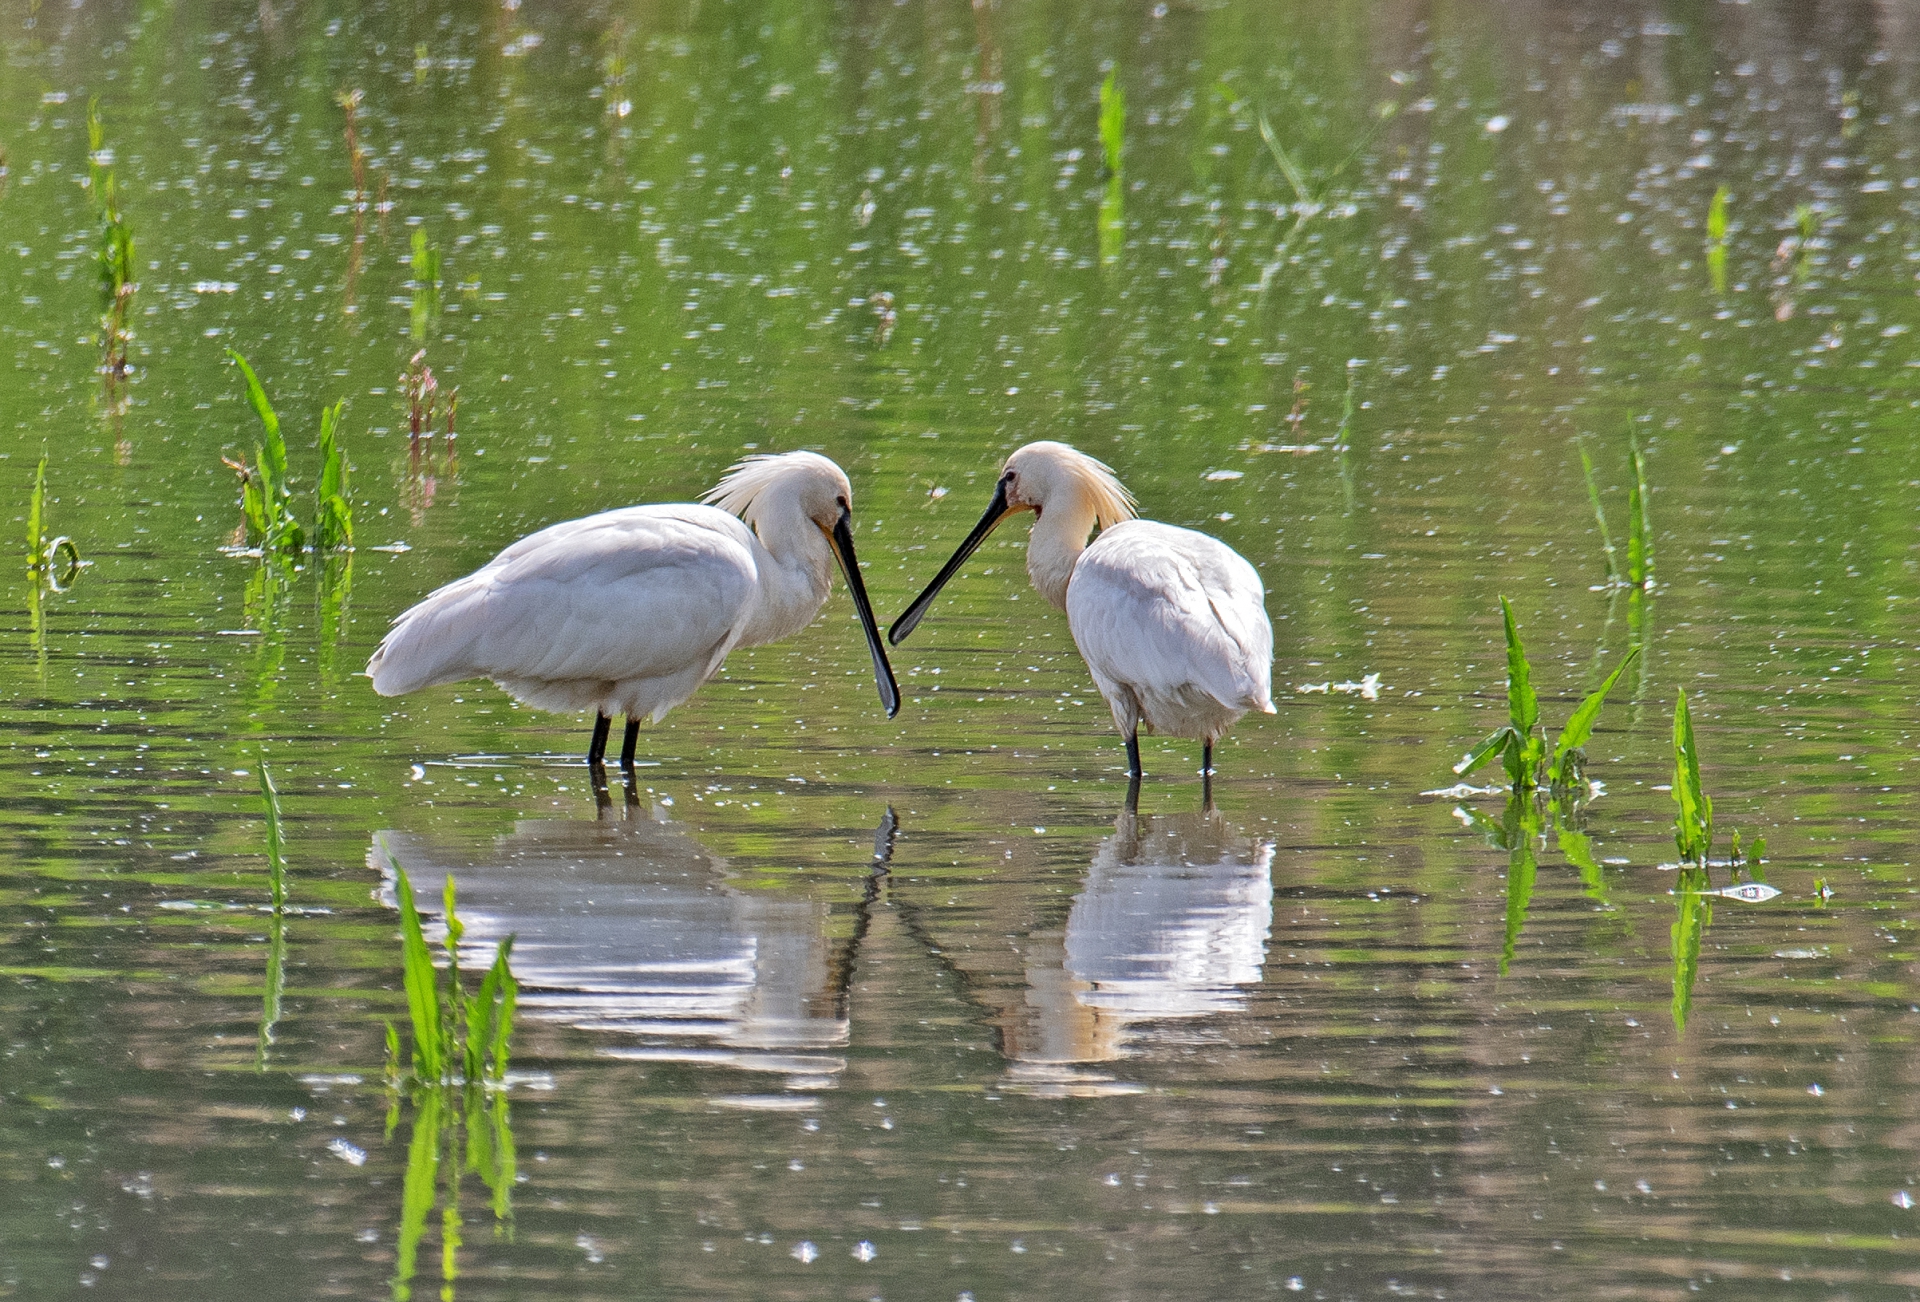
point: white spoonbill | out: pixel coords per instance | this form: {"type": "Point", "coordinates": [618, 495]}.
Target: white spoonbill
{"type": "Point", "coordinates": [629, 611]}
{"type": "Point", "coordinates": [1171, 622]}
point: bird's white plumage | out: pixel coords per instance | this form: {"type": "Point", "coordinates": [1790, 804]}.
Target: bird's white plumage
{"type": "Point", "coordinates": [1172, 623]}
{"type": "Point", "coordinates": [630, 611]}
{"type": "Point", "coordinates": [1173, 626]}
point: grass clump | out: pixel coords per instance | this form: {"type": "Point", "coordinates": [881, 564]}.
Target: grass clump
{"type": "Point", "coordinates": [266, 493]}
{"type": "Point", "coordinates": [1521, 744]}
{"type": "Point", "coordinates": [113, 251]}
{"type": "Point", "coordinates": [455, 1078]}
{"type": "Point", "coordinates": [458, 1037]}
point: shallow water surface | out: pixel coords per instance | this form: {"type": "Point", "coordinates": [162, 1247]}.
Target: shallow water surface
{"type": "Point", "coordinates": [828, 1005]}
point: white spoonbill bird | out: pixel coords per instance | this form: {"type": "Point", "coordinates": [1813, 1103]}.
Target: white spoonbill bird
{"type": "Point", "coordinates": [1172, 623]}
{"type": "Point", "coordinates": [629, 611]}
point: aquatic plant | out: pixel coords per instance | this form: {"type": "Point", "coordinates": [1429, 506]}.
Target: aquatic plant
{"type": "Point", "coordinates": [1639, 531]}
{"type": "Point", "coordinates": [1717, 239]}
{"type": "Point", "coordinates": [1520, 744]}
{"type": "Point", "coordinates": [43, 552]}
{"type": "Point", "coordinates": [1693, 835]}
{"type": "Point", "coordinates": [113, 253]}
{"type": "Point", "coordinates": [1639, 567]}
{"type": "Point", "coordinates": [332, 507]}
{"type": "Point", "coordinates": [1113, 133]}
{"type": "Point", "coordinates": [1693, 823]}
{"type": "Point", "coordinates": [461, 1044]}
{"type": "Point", "coordinates": [266, 495]}
{"type": "Point", "coordinates": [458, 1037]}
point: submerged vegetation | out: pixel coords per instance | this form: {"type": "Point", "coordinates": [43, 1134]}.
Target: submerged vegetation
{"type": "Point", "coordinates": [458, 1037]}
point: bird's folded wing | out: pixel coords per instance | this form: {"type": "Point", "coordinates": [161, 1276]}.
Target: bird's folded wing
{"type": "Point", "coordinates": [1156, 606]}
{"type": "Point", "coordinates": [626, 594]}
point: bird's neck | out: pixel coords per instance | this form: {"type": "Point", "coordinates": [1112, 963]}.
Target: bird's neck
{"type": "Point", "coordinates": [795, 564]}
{"type": "Point", "coordinates": [1054, 547]}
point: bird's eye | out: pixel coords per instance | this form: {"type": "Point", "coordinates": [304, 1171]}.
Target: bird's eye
{"type": "Point", "coordinates": [845, 505]}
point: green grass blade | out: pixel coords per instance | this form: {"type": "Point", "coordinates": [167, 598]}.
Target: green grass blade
{"type": "Point", "coordinates": [333, 511]}
{"type": "Point", "coordinates": [1523, 706]}
{"type": "Point", "coordinates": [1600, 518]}
{"type": "Point", "coordinates": [273, 447]}
{"type": "Point", "coordinates": [500, 1040]}
{"type": "Point", "coordinates": [1492, 745]}
{"type": "Point", "coordinates": [422, 985]}
{"type": "Point", "coordinates": [1717, 217]}
{"type": "Point", "coordinates": [1113, 119]}
{"type": "Point", "coordinates": [1580, 724]}
{"type": "Point", "coordinates": [1639, 534]}
{"type": "Point", "coordinates": [1693, 825]}
{"type": "Point", "coordinates": [37, 557]}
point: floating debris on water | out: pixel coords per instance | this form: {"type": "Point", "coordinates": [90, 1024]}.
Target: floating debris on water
{"type": "Point", "coordinates": [1367, 687]}
{"type": "Point", "coordinates": [1749, 892]}
{"type": "Point", "coordinates": [1464, 791]}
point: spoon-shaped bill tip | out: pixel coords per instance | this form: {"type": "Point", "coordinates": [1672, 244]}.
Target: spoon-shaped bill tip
{"type": "Point", "coordinates": [842, 541]}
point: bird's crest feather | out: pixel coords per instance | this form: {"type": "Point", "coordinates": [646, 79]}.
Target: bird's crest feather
{"type": "Point", "coordinates": [1111, 501]}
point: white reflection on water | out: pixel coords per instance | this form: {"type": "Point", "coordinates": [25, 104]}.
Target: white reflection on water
{"type": "Point", "coordinates": [1172, 925]}
{"type": "Point", "coordinates": [629, 926]}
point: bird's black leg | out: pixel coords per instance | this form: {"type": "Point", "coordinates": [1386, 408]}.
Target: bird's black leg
{"type": "Point", "coordinates": [1206, 759]}
{"type": "Point", "coordinates": [1133, 755]}
{"type": "Point", "coordinates": [631, 742]}
{"type": "Point", "coordinates": [1133, 793]}
{"type": "Point", "coordinates": [597, 749]}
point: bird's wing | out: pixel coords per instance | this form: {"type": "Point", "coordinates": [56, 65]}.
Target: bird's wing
{"type": "Point", "coordinates": [1155, 606]}
{"type": "Point", "coordinates": [633, 593]}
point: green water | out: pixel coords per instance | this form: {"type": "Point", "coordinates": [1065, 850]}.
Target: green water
{"type": "Point", "coordinates": [1009, 1042]}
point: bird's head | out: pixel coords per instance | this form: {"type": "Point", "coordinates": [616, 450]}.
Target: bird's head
{"type": "Point", "coordinates": [805, 481]}
{"type": "Point", "coordinates": [1046, 474]}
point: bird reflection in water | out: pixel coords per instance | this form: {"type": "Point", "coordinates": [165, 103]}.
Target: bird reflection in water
{"type": "Point", "coordinates": [628, 926]}
{"type": "Point", "coordinates": [1172, 925]}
